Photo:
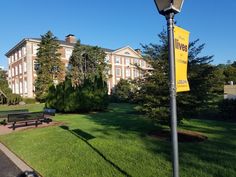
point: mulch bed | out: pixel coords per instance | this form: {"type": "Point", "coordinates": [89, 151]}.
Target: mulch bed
{"type": "Point", "coordinates": [184, 136]}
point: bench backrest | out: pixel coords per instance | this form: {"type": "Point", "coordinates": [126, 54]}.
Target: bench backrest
{"type": "Point", "coordinates": [25, 116]}
{"type": "Point", "coordinates": [50, 112]}
{"type": "Point", "coordinates": [4, 114]}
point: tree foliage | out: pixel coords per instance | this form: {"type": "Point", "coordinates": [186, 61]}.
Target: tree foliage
{"type": "Point", "coordinates": [11, 99]}
{"type": "Point", "coordinates": [153, 94]}
{"type": "Point", "coordinates": [87, 63]}
{"type": "Point", "coordinates": [230, 73]}
{"type": "Point", "coordinates": [122, 92]}
{"type": "Point", "coordinates": [49, 66]}
{"type": "Point", "coordinates": [85, 87]}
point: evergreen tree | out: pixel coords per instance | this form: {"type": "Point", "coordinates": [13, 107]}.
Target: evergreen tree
{"type": "Point", "coordinates": [122, 91]}
{"type": "Point", "coordinates": [230, 73]}
{"type": "Point", "coordinates": [6, 95]}
{"type": "Point", "coordinates": [87, 63]}
{"type": "Point", "coordinates": [85, 87]}
{"type": "Point", "coordinates": [153, 94]}
{"type": "Point", "coordinates": [49, 67]}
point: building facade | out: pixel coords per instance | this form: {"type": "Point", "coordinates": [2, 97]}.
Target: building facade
{"type": "Point", "coordinates": [230, 91]}
{"type": "Point", "coordinates": [21, 60]}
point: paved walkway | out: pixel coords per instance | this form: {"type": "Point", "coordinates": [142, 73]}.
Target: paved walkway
{"type": "Point", "coordinates": [8, 168]}
{"type": "Point", "coordinates": [10, 164]}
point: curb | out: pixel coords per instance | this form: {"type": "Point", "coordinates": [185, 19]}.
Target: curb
{"type": "Point", "coordinates": [16, 160]}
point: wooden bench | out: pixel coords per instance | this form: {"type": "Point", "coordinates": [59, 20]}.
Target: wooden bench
{"type": "Point", "coordinates": [36, 117]}
{"type": "Point", "coordinates": [4, 114]}
{"type": "Point", "coordinates": [19, 118]}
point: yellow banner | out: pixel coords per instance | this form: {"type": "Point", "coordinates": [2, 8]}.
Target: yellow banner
{"type": "Point", "coordinates": [181, 41]}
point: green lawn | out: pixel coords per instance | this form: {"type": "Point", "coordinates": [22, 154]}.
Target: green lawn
{"type": "Point", "coordinates": [115, 143]}
{"type": "Point", "coordinates": [30, 107]}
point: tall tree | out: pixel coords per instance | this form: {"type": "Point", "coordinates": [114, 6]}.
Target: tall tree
{"type": "Point", "coordinates": [49, 67]}
{"type": "Point", "coordinates": [230, 73]}
{"type": "Point", "coordinates": [154, 90]}
{"type": "Point", "coordinates": [4, 89]}
{"type": "Point", "coordinates": [87, 63]}
{"type": "Point", "coordinates": [85, 87]}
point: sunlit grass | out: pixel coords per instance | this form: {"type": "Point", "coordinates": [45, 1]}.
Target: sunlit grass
{"type": "Point", "coordinates": [115, 143]}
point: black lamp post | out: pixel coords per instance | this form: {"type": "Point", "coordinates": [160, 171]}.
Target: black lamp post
{"type": "Point", "coordinates": [169, 8]}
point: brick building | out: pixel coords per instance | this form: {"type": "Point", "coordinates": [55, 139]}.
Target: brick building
{"type": "Point", "coordinates": [21, 58]}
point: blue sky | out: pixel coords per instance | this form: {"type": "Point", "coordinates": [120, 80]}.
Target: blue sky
{"type": "Point", "coordinates": [113, 24]}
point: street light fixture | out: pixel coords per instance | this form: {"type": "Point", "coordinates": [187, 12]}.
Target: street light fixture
{"type": "Point", "coordinates": [169, 8]}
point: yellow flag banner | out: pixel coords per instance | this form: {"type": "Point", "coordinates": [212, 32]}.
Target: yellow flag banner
{"type": "Point", "coordinates": [181, 41]}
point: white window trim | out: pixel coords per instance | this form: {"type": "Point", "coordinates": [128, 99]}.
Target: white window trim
{"type": "Point", "coordinates": [127, 75]}
{"type": "Point", "coordinates": [116, 59]}
{"type": "Point", "coordinates": [119, 72]}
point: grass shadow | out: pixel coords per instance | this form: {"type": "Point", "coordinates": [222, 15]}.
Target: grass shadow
{"type": "Point", "coordinates": [84, 136]}
{"type": "Point", "coordinates": [217, 151]}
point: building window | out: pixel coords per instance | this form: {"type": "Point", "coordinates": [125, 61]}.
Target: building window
{"type": "Point", "coordinates": [35, 49]}
{"type": "Point", "coordinates": [68, 53]}
{"type": "Point", "coordinates": [12, 59]}
{"type": "Point", "coordinates": [127, 61]}
{"type": "Point", "coordinates": [136, 73]}
{"type": "Point", "coordinates": [17, 88]}
{"type": "Point", "coordinates": [20, 68]}
{"type": "Point", "coordinates": [16, 70]}
{"type": "Point", "coordinates": [19, 52]}
{"type": "Point", "coordinates": [127, 72]}
{"type": "Point", "coordinates": [117, 60]}
{"type": "Point", "coordinates": [21, 88]}
{"type": "Point", "coordinates": [25, 66]}
{"type": "Point", "coordinates": [24, 51]}
{"type": "Point", "coordinates": [9, 60]}
{"type": "Point", "coordinates": [15, 56]}
{"type": "Point", "coordinates": [142, 63]}
{"type": "Point", "coordinates": [12, 72]}
{"type": "Point", "coordinates": [25, 86]}
{"type": "Point", "coordinates": [118, 72]}
{"type": "Point", "coordinates": [136, 61]}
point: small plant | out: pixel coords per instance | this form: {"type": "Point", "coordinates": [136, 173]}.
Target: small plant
{"type": "Point", "coordinates": [13, 99]}
{"type": "Point", "coordinates": [29, 100]}
{"type": "Point", "coordinates": [3, 122]}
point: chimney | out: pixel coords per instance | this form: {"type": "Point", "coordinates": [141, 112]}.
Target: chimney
{"type": "Point", "coordinates": [138, 51]}
{"type": "Point", "coordinates": [70, 38]}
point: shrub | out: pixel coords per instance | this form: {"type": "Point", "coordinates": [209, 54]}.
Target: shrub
{"type": "Point", "coordinates": [29, 100]}
{"type": "Point", "coordinates": [13, 99]}
{"type": "Point", "coordinates": [227, 109]}
{"type": "Point", "coordinates": [84, 98]}
{"type": "Point", "coordinates": [122, 92]}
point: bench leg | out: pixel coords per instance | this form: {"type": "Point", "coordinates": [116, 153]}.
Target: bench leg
{"type": "Point", "coordinates": [26, 123]}
{"type": "Point", "coordinates": [36, 124]}
{"type": "Point", "coordinates": [13, 126]}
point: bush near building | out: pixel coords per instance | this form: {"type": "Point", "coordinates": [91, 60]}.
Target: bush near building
{"type": "Point", "coordinates": [89, 97]}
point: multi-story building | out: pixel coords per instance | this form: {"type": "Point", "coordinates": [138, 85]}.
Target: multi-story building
{"type": "Point", "coordinates": [21, 58]}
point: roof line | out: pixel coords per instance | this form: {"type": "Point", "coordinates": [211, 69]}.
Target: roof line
{"type": "Point", "coordinates": [60, 41]}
